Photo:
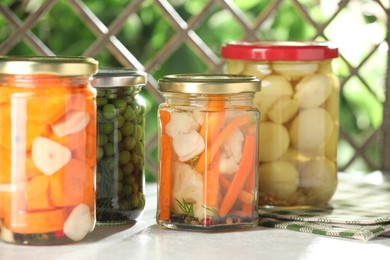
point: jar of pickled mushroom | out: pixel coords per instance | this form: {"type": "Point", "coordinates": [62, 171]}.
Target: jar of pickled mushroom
{"type": "Point", "coordinates": [299, 118]}
{"type": "Point", "coordinates": [208, 135]}
{"type": "Point", "coordinates": [47, 149]}
{"type": "Point", "coordinates": [120, 155]}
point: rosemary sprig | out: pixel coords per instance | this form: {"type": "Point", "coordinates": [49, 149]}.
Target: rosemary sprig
{"type": "Point", "coordinates": [186, 208]}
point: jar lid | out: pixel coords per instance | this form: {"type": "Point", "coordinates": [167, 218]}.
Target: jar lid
{"type": "Point", "coordinates": [209, 84]}
{"type": "Point", "coordinates": [118, 77]}
{"type": "Point", "coordinates": [284, 50]}
{"type": "Point", "coordinates": [57, 65]}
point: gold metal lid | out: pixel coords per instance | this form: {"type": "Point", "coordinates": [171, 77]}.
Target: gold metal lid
{"type": "Point", "coordinates": [209, 83]}
{"type": "Point", "coordinates": [118, 77]}
{"type": "Point", "coordinates": [57, 65]}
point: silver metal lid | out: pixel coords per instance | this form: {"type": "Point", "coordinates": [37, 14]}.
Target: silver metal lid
{"type": "Point", "coordinates": [209, 83]}
{"type": "Point", "coordinates": [55, 65]}
{"type": "Point", "coordinates": [118, 77]}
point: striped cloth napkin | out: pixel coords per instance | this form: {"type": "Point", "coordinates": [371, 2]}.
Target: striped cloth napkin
{"type": "Point", "coordinates": [359, 210]}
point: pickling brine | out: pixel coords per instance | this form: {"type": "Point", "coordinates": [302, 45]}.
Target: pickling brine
{"type": "Point", "coordinates": [47, 149]}
{"type": "Point", "coordinates": [299, 118]}
{"type": "Point", "coordinates": [208, 149]}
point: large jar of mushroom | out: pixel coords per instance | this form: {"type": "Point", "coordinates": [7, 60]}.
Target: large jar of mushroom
{"type": "Point", "coordinates": [299, 118]}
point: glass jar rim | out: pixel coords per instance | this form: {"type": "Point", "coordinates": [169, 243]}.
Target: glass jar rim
{"type": "Point", "coordinates": [52, 65]}
{"type": "Point", "coordinates": [209, 83]}
{"type": "Point", "coordinates": [118, 77]}
{"type": "Point", "coordinates": [280, 50]}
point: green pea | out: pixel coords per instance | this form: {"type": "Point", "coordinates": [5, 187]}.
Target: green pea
{"type": "Point", "coordinates": [109, 149]}
{"type": "Point", "coordinates": [101, 101]}
{"type": "Point", "coordinates": [100, 152]}
{"type": "Point", "coordinates": [124, 204]}
{"type": "Point", "coordinates": [139, 148]}
{"type": "Point", "coordinates": [115, 137]}
{"type": "Point", "coordinates": [135, 187]}
{"type": "Point", "coordinates": [134, 201]}
{"type": "Point", "coordinates": [127, 129]}
{"type": "Point", "coordinates": [129, 114]}
{"type": "Point", "coordinates": [129, 142]}
{"type": "Point", "coordinates": [128, 169]}
{"type": "Point", "coordinates": [134, 157]}
{"type": "Point", "coordinates": [120, 104]}
{"type": "Point", "coordinates": [106, 127]}
{"type": "Point", "coordinates": [127, 189]}
{"type": "Point", "coordinates": [129, 99]}
{"type": "Point", "coordinates": [124, 157]}
{"type": "Point", "coordinates": [128, 90]}
{"type": "Point", "coordinates": [101, 93]}
{"type": "Point", "coordinates": [111, 90]}
{"type": "Point", "coordinates": [109, 111]}
{"type": "Point", "coordinates": [102, 139]}
{"type": "Point", "coordinates": [130, 179]}
{"type": "Point", "coordinates": [120, 121]}
{"type": "Point", "coordinates": [139, 132]}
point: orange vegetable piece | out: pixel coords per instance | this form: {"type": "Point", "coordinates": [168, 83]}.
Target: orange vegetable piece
{"type": "Point", "coordinates": [12, 198]}
{"type": "Point", "coordinates": [211, 183]}
{"type": "Point", "coordinates": [222, 136]}
{"type": "Point", "coordinates": [31, 170]}
{"type": "Point", "coordinates": [68, 185]}
{"type": "Point", "coordinates": [18, 133]}
{"type": "Point", "coordinates": [36, 222]}
{"type": "Point", "coordinates": [71, 141]}
{"type": "Point", "coordinates": [11, 167]}
{"type": "Point", "coordinates": [240, 176]}
{"type": "Point", "coordinates": [165, 177]}
{"type": "Point", "coordinates": [37, 194]}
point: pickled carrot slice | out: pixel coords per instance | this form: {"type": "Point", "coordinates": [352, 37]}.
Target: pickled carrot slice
{"type": "Point", "coordinates": [37, 194]}
{"type": "Point", "coordinates": [68, 185]}
{"type": "Point", "coordinates": [211, 184]}
{"type": "Point", "coordinates": [11, 169]}
{"type": "Point", "coordinates": [222, 136]}
{"type": "Point", "coordinates": [12, 198]}
{"type": "Point", "coordinates": [240, 176]}
{"type": "Point", "coordinates": [36, 222]}
{"type": "Point", "coordinates": [18, 133]}
{"type": "Point", "coordinates": [72, 141]}
{"type": "Point", "coordinates": [165, 178]}
{"type": "Point", "coordinates": [31, 170]}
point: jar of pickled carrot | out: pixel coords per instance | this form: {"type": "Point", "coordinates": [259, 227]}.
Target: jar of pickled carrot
{"type": "Point", "coordinates": [208, 150]}
{"type": "Point", "coordinates": [47, 149]}
{"type": "Point", "coordinates": [299, 118]}
{"type": "Point", "coordinates": [120, 179]}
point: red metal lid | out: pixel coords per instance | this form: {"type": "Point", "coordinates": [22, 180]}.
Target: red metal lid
{"type": "Point", "coordinates": [284, 50]}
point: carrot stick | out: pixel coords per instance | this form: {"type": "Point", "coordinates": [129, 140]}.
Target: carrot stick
{"type": "Point", "coordinates": [222, 136]}
{"type": "Point", "coordinates": [36, 222]}
{"type": "Point", "coordinates": [245, 196]}
{"type": "Point", "coordinates": [213, 120]}
{"type": "Point", "coordinates": [211, 183]}
{"type": "Point", "coordinates": [240, 177]}
{"type": "Point", "coordinates": [164, 118]}
{"type": "Point", "coordinates": [165, 182]}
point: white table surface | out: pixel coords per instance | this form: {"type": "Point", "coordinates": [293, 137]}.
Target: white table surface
{"type": "Point", "coordinates": [146, 240]}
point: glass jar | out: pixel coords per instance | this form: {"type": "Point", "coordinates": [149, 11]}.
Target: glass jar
{"type": "Point", "coordinates": [208, 134]}
{"type": "Point", "coordinates": [120, 156]}
{"type": "Point", "coordinates": [299, 118]}
{"type": "Point", "coordinates": [47, 149]}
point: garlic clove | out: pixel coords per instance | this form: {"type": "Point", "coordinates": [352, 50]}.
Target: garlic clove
{"type": "Point", "coordinates": [186, 146]}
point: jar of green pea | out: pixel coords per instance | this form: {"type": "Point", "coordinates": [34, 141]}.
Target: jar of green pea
{"type": "Point", "coordinates": [120, 145]}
